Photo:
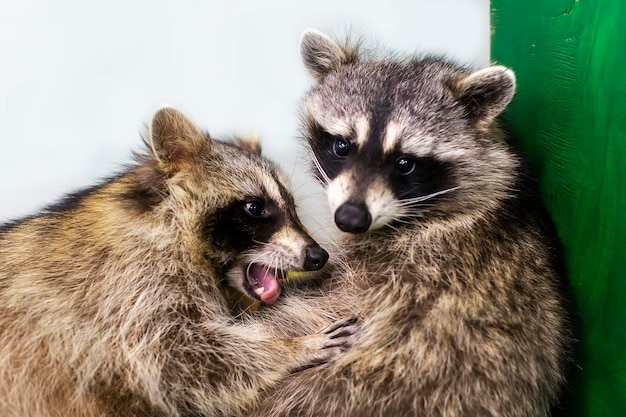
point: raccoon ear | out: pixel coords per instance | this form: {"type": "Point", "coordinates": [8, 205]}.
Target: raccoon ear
{"type": "Point", "coordinates": [320, 53]}
{"type": "Point", "coordinates": [486, 92]}
{"type": "Point", "coordinates": [250, 143]}
{"type": "Point", "coordinates": [175, 140]}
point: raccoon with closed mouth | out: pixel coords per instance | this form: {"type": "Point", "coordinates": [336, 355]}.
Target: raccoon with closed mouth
{"type": "Point", "coordinates": [445, 254]}
{"type": "Point", "coordinates": [114, 301]}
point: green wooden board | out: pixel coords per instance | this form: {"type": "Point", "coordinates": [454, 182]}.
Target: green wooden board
{"type": "Point", "coordinates": [570, 115]}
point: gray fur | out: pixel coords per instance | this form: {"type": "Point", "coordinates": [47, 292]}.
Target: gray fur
{"type": "Point", "coordinates": [114, 302]}
{"type": "Point", "coordinates": [459, 291]}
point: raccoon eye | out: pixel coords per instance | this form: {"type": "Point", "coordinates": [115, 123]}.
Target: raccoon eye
{"type": "Point", "coordinates": [255, 208]}
{"type": "Point", "coordinates": [341, 147]}
{"type": "Point", "coordinates": [405, 165]}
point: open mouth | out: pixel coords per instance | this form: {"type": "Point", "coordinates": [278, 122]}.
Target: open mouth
{"type": "Point", "coordinates": [263, 283]}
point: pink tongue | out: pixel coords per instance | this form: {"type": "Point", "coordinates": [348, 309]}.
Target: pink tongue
{"type": "Point", "coordinates": [267, 280]}
{"type": "Point", "coordinates": [272, 288]}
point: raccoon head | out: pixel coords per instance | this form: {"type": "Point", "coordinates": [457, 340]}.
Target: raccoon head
{"type": "Point", "coordinates": [231, 207]}
{"type": "Point", "coordinates": [404, 141]}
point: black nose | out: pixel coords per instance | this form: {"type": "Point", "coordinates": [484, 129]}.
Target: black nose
{"type": "Point", "coordinates": [315, 257]}
{"type": "Point", "coordinates": [353, 218]}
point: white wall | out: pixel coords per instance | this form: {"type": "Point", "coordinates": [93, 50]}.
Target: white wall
{"type": "Point", "coordinates": [78, 79]}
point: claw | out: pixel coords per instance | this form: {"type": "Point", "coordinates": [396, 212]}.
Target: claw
{"type": "Point", "coordinates": [340, 324]}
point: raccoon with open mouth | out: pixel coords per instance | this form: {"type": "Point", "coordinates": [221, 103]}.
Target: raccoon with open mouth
{"type": "Point", "coordinates": [115, 300]}
{"type": "Point", "coordinates": [445, 254]}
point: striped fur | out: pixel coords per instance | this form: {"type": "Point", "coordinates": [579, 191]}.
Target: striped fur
{"type": "Point", "coordinates": [446, 254]}
{"type": "Point", "coordinates": [117, 300]}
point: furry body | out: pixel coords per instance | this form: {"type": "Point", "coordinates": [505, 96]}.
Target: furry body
{"type": "Point", "coordinates": [449, 260]}
{"type": "Point", "coordinates": [113, 302]}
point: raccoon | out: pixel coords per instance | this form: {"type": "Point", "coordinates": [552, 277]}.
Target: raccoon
{"type": "Point", "coordinates": [444, 250]}
{"type": "Point", "coordinates": [114, 301]}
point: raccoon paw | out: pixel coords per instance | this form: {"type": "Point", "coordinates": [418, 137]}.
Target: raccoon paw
{"type": "Point", "coordinates": [340, 333]}
{"type": "Point", "coordinates": [330, 343]}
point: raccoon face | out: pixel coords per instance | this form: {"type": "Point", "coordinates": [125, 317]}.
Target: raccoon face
{"type": "Point", "coordinates": [268, 239]}
{"type": "Point", "coordinates": [232, 206]}
{"type": "Point", "coordinates": [368, 188]}
{"type": "Point", "coordinates": [403, 141]}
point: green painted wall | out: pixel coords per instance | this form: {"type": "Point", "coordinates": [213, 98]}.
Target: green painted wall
{"type": "Point", "coordinates": [570, 114]}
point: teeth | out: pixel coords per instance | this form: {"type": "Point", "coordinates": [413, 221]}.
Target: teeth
{"type": "Point", "coordinates": [259, 291]}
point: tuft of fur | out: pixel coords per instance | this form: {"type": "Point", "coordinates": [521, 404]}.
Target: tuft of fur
{"type": "Point", "coordinates": [446, 254]}
{"type": "Point", "coordinates": [115, 300]}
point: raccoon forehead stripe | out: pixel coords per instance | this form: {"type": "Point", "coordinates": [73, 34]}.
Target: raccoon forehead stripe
{"type": "Point", "coordinates": [400, 136]}
{"type": "Point", "coordinates": [279, 190]}
{"type": "Point", "coordinates": [424, 145]}
{"type": "Point", "coordinates": [270, 182]}
{"type": "Point", "coordinates": [362, 127]}
{"type": "Point", "coordinates": [355, 127]}
{"type": "Point", "coordinates": [317, 111]}
{"type": "Point", "coordinates": [392, 136]}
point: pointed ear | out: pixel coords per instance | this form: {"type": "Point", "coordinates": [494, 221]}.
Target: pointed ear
{"type": "Point", "coordinates": [486, 92]}
{"type": "Point", "coordinates": [175, 140]}
{"type": "Point", "coordinates": [320, 53]}
{"type": "Point", "coordinates": [250, 143]}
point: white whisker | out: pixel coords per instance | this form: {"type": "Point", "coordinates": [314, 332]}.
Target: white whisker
{"type": "Point", "coordinates": [410, 201]}
{"type": "Point", "coordinates": [395, 229]}
{"type": "Point", "coordinates": [325, 179]}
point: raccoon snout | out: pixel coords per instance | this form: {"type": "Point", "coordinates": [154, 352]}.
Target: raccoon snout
{"type": "Point", "coordinates": [315, 257]}
{"type": "Point", "coordinates": [353, 218]}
